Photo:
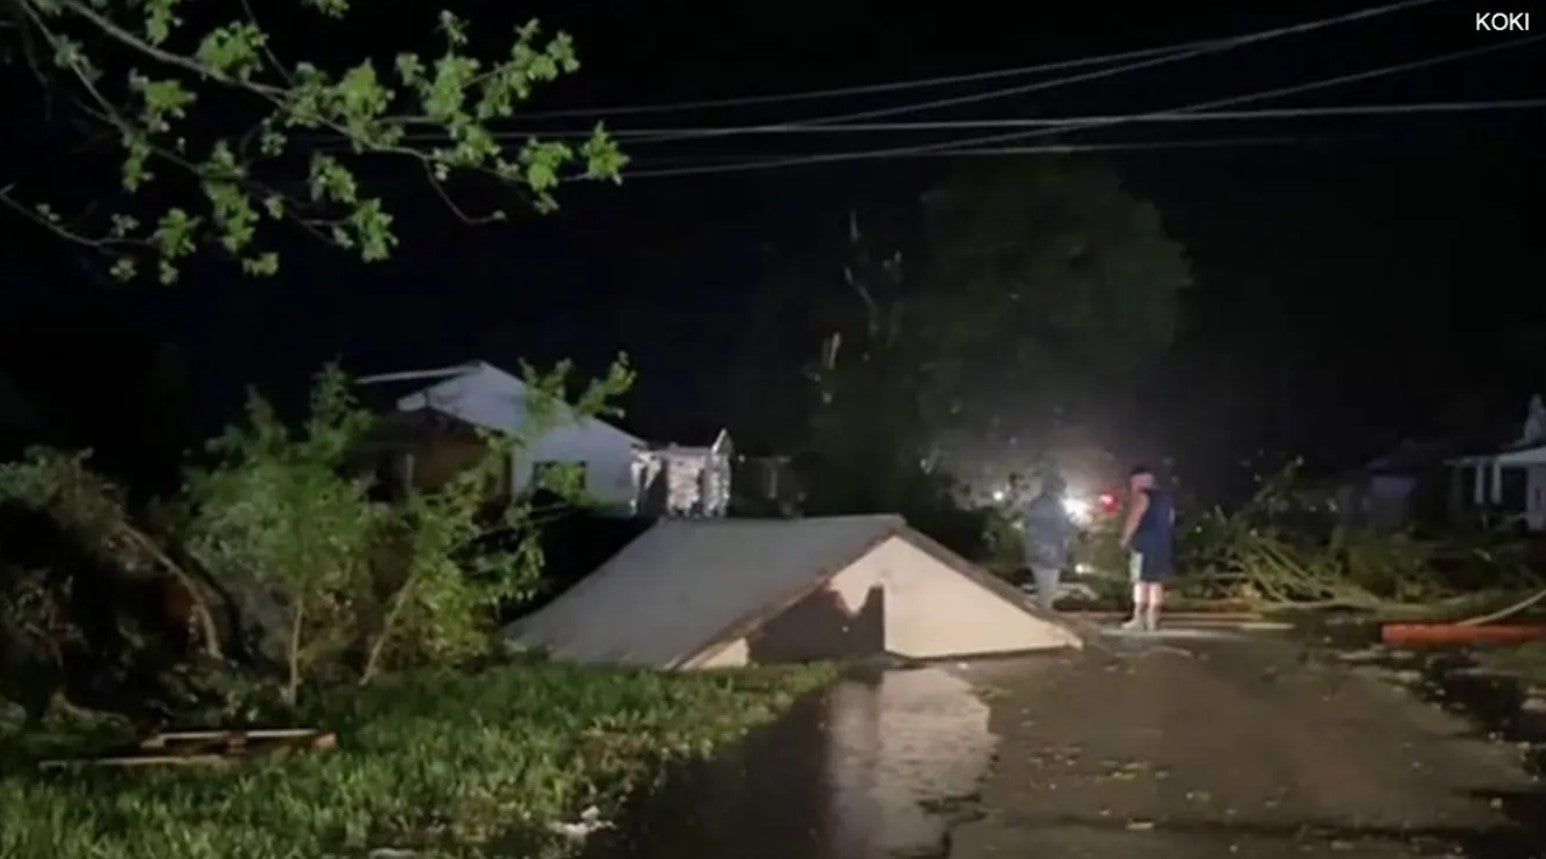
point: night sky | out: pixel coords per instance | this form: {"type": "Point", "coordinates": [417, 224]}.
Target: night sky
{"type": "Point", "coordinates": [1369, 279]}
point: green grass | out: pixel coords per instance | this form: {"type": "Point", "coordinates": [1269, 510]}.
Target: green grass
{"type": "Point", "coordinates": [450, 765]}
{"type": "Point", "coordinates": [1527, 662]}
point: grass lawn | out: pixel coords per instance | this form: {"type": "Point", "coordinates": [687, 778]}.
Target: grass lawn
{"type": "Point", "coordinates": [449, 765]}
{"type": "Point", "coordinates": [1527, 661]}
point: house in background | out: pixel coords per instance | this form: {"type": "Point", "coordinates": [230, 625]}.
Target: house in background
{"type": "Point", "coordinates": [1404, 486]}
{"type": "Point", "coordinates": [1507, 485]}
{"type": "Point", "coordinates": [438, 416]}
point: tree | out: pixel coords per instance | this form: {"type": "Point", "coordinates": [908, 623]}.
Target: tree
{"type": "Point", "coordinates": [1046, 281]}
{"type": "Point", "coordinates": [415, 582]}
{"type": "Point", "coordinates": [1030, 283]}
{"type": "Point", "coordinates": [873, 414]}
{"type": "Point", "coordinates": [221, 138]}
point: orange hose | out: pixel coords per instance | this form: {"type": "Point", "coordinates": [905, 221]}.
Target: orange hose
{"type": "Point", "coordinates": [1454, 633]}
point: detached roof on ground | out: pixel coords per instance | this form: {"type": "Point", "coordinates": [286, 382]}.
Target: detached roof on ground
{"type": "Point", "coordinates": [717, 593]}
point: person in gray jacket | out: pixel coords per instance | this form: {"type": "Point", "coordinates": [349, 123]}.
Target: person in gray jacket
{"type": "Point", "coordinates": [1049, 531]}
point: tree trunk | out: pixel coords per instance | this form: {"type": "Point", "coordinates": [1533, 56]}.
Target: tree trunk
{"type": "Point", "coordinates": [293, 687]}
{"type": "Point", "coordinates": [372, 662]}
{"type": "Point", "coordinates": [201, 614]}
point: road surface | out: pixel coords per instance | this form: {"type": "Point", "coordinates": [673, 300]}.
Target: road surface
{"type": "Point", "coordinates": [1247, 747]}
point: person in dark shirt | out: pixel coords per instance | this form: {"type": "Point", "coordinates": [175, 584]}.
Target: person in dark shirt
{"type": "Point", "coordinates": [1148, 534]}
{"type": "Point", "coordinates": [1048, 532]}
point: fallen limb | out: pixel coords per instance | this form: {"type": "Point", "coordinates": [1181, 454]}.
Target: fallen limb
{"type": "Point", "coordinates": [1512, 610]}
{"type": "Point", "coordinates": [200, 608]}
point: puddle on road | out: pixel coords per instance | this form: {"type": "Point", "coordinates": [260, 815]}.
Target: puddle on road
{"type": "Point", "coordinates": [877, 766]}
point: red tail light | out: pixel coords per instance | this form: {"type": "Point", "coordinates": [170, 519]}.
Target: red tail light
{"type": "Point", "coordinates": [1108, 503]}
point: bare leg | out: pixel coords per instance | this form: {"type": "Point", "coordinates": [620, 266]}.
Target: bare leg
{"type": "Point", "coordinates": [1156, 597]}
{"type": "Point", "coordinates": [1134, 570]}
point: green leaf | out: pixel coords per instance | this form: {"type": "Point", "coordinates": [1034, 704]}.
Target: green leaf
{"type": "Point", "coordinates": [160, 19]}
{"type": "Point", "coordinates": [262, 265]}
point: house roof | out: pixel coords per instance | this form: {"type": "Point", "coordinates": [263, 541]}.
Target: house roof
{"type": "Point", "coordinates": [477, 392]}
{"type": "Point", "coordinates": [1410, 455]}
{"type": "Point", "coordinates": [1530, 455]}
{"type": "Point", "coordinates": [689, 584]}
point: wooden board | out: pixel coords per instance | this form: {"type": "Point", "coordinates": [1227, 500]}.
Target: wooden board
{"type": "Point", "coordinates": [206, 748]}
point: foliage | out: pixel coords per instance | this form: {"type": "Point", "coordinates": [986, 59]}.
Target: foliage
{"type": "Point", "coordinates": [1288, 546]}
{"type": "Point", "coordinates": [278, 506]}
{"type": "Point", "coordinates": [455, 575]}
{"type": "Point", "coordinates": [91, 510]}
{"type": "Point", "coordinates": [1004, 541]}
{"type": "Point", "coordinates": [286, 508]}
{"type": "Point", "coordinates": [452, 765]}
{"type": "Point", "coordinates": [1100, 549]}
{"type": "Point", "coordinates": [1043, 283]}
{"type": "Point", "coordinates": [1527, 661]}
{"type": "Point", "coordinates": [208, 116]}
{"type": "Point", "coordinates": [1033, 281]}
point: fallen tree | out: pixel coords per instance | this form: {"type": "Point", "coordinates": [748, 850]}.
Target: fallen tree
{"type": "Point", "coordinates": [1289, 548]}
{"type": "Point", "coordinates": [90, 511]}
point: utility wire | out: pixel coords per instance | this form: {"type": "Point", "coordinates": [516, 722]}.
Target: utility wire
{"type": "Point", "coordinates": [1115, 120]}
{"type": "Point", "coordinates": [868, 89]}
{"type": "Point", "coordinates": [1069, 148]}
{"type": "Point", "coordinates": [923, 83]}
{"type": "Point", "coordinates": [1430, 107]}
{"type": "Point", "coordinates": [1213, 47]}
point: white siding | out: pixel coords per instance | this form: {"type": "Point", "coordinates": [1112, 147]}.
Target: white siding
{"type": "Point", "coordinates": [933, 611]}
{"type": "Point", "coordinates": [736, 654]}
{"type": "Point", "coordinates": [488, 397]}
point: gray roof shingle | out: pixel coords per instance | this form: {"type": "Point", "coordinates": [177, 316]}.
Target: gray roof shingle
{"type": "Point", "coordinates": [684, 582]}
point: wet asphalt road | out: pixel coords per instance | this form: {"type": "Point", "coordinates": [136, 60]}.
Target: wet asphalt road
{"type": "Point", "coordinates": [1246, 747]}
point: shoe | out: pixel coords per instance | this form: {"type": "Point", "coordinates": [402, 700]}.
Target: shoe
{"type": "Point", "coordinates": [1150, 623]}
{"type": "Point", "coordinates": [1134, 625]}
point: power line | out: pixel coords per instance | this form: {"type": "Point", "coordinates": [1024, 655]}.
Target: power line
{"type": "Point", "coordinates": [867, 89]}
{"type": "Point", "coordinates": [1116, 120]}
{"type": "Point", "coordinates": [1070, 148]}
{"type": "Point", "coordinates": [1212, 47]}
{"type": "Point", "coordinates": [923, 83]}
{"type": "Point", "coordinates": [1398, 109]}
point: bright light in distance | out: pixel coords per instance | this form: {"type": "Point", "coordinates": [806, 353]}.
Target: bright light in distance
{"type": "Point", "coordinates": [1077, 508]}
{"type": "Point", "coordinates": [998, 495]}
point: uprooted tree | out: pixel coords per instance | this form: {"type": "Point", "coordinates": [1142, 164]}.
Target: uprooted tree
{"type": "Point", "coordinates": [287, 559]}
{"type": "Point", "coordinates": [1290, 546]}
{"type": "Point", "coordinates": [221, 138]}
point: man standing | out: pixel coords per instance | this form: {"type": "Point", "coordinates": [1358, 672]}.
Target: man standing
{"type": "Point", "coordinates": [1048, 531]}
{"type": "Point", "coordinates": [1148, 534]}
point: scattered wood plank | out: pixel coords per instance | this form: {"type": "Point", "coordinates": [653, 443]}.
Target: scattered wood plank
{"type": "Point", "coordinates": [126, 761]}
{"type": "Point", "coordinates": [206, 748]}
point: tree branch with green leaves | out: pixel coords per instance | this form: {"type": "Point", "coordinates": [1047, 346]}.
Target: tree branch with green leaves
{"type": "Point", "coordinates": [221, 139]}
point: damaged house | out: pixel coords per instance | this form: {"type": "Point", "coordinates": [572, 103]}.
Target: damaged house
{"type": "Point", "coordinates": [714, 593]}
{"type": "Point", "coordinates": [437, 418]}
